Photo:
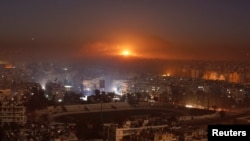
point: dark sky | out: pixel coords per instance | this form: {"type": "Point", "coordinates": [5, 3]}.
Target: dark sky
{"type": "Point", "coordinates": [169, 29]}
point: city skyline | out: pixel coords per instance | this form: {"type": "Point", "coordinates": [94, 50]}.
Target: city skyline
{"type": "Point", "coordinates": [124, 69]}
{"type": "Point", "coordinates": [178, 30]}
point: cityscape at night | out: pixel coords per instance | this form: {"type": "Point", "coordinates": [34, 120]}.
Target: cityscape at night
{"type": "Point", "coordinates": [124, 70]}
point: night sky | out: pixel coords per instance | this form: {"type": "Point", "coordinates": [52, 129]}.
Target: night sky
{"type": "Point", "coordinates": [165, 29]}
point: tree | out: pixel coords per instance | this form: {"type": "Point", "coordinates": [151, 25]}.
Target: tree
{"type": "Point", "coordinates": [97, 95]}
{"type": "Point", "coordinates": [132, 99]}
{"type": "Point", "coordinates": [37, 100]}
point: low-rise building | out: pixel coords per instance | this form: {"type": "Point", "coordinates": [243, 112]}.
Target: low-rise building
{"type": "Point", "coordinates": [12, 114]}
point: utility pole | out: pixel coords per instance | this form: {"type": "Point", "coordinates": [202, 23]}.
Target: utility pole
{"type": "Point", "coordinates": [102, 114]}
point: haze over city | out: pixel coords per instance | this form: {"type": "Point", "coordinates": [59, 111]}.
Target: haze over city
{"type": "Point", "coordinates": [103, 29]}
{"type": "Point", "coordinates": [124, 70]}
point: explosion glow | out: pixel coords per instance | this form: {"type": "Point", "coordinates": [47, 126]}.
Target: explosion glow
{"type": "Point", "coordinates": [126, 53]}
